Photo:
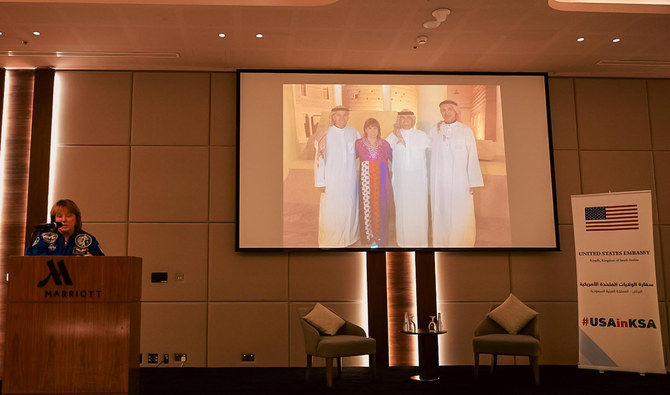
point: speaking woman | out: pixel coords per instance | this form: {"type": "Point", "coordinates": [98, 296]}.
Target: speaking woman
{"type": "Point", "coordinates": [68, 239]}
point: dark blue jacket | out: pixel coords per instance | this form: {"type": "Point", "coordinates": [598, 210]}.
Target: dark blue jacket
{"type": "Point", "coordinates": [54, 243]}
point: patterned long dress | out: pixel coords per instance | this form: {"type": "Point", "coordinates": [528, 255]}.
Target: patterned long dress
{"type": "Point", "coordinates": [376, 193]}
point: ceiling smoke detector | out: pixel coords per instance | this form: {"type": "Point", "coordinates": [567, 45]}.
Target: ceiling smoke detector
{"type": "Point", "coordinates": [422, 40]}
{"type": "Point", "coordinates": [440, 16]}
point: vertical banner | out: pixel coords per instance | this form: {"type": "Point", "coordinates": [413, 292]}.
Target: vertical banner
{"type": "Point", "coordinates": [619, 325]}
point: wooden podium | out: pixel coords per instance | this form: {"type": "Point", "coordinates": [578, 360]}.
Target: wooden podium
{"type": "Point", "coordinates": [73, 325]}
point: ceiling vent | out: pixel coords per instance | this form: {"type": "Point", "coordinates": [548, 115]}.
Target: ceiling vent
{"type": "Point", "coordinates": [93, 54]}
{"type": "Point", "coordinates": [616, 62]}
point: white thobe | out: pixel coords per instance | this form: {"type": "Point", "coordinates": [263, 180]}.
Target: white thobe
{"type": "Point", "coordinates": [410, 187]}
{"type": "Point", "coordinates": [454, 169]}
{"type": "Point", "coordinates": [338, 210]}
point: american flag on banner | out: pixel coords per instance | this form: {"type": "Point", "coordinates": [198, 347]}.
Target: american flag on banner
{"type": "Point", "coordinates": [623, 217]}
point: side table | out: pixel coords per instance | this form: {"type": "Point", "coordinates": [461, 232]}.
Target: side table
{"type": "Point", "coordinates": [426, 367]}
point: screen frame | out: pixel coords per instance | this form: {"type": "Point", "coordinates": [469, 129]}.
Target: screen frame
{"type": "Point", "coordinates": [545, 77]}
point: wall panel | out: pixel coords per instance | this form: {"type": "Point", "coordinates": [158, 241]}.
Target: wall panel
{"type": "Point", "coordinates": [663, 249]}
{"type": "Point", "coordinates": [471, 277]}
{"type": "Point", "coordinates": [223, 176]}
{"type": "Point", "coordinates": [662, 178]}
{"type": "Point", "coordinates": [96, 178]}
{"type": "Point", "coordinates": [664, 309]}
{"type": "Point", "coordinates": [170, 109]}
{"type": "Point", "coordinates": [180, 250]}
{"type": "Point", "coordinates": [326, 276]}
{"type": "Point", "coordinates": [94, 107]}
{"type": "Point", "coordinates": [461, 319]}
{"type": "Point", "coordinates": [617, 171]}
{"type": "Point", "coordinates": [546, 276]}
{"type": "Point", "coordinates": [248, 276]}
{"type": "Point", "coordinates": [248, 328]}
{"type": "Point", "coordinates": [224, 110]}
{"type": "Point", "coordinates": [169, 328]}
{"type": "Point", "coordinates": [563, 116]}
{"type": "Point", "coordinates": [113, 237]}
{"type": "Point", "coordinates": [658, 260]}
{"type": "Point", "coordinates": [612, 114]}
{"type": "Point", "coordinates": [568, 182]}
{"type": "Point", "coordinates": [169, 184]}
{"type": "Point", "coordinates": [558, 333]}
{"type": "Point", "coordinates": [659, 116]}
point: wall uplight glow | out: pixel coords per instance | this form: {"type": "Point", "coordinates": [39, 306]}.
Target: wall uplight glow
{"type": "Point", "coordinates": [3, 144]}
{"type": "Point", "coordinates": [365, 324]}
{"type": "Point", "coordinates": [53, 160]}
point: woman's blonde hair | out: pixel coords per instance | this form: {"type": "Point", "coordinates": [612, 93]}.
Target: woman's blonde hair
{"type": "Point", "coordinates": [69, 206]}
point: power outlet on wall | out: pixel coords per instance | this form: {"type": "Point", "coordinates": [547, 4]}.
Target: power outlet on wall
{"type": "Point", "coordinates": [179, 357]}
{"type": "Point", "coordinates": [152, 358]}
{"type": "Point", "coordinates": [248, 357]}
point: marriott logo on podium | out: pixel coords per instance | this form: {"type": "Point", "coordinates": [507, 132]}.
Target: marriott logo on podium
{"type": "Point", "coordinates": [59, 275]}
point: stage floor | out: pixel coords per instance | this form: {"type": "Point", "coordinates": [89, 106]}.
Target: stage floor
{"type": "Point", "coordinates": [453, 380]}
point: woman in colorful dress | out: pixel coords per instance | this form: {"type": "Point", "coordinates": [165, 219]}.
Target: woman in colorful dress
{"type": "Point", "coordinates": [376, 194]}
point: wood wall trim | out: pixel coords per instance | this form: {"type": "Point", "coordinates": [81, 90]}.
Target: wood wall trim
{"type": "Point", "coordinates": [40, 149]}
{"type": "Point", "coordinates": [401, 299]}
{"type": "Point", "coordinates": [2, 100]}
{"type": "Point", "coordinates": [3, 284]}
{"type": "Point", "coordinates": [16, 150]}
{"type": "Point", "coordinates": [377, 312]}
{"type": "Point", "coordinates": [426, 301]}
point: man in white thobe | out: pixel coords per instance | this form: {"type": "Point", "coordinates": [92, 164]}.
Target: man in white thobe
{"type": "Point", "coordinates": [335, 173]}
{"type": "Point", "coordinates": [454, 172]}
{"type": "Point", "coordinates": [410, 181]}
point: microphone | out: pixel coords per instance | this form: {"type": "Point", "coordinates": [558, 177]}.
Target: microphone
{"type": "Point", "coordinates": [48, 227]}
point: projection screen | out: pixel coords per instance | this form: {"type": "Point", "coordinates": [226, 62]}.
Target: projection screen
{"type": "Point", "coordinates": [394, 161]}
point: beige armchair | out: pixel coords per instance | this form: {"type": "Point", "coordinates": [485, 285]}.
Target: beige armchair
{"type": "Point", "coordinates": [491, 338]}
{"type": "Point", "coordinates": [350, 340]}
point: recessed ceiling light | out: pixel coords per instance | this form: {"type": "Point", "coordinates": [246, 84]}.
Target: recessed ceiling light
{"type": "Point", "coordinates": [580, 39]}
{"type": "Point", "coordinates": [0, 33]}
{"type": "Point", "coordinates": [36, 33]}
{"type": "Point", "coordinates": [616, 40]}
{"type": "Point", "coordinates": [222, 35]}
{"type": "Point", "coordinates": [432, 24]}
{"type": "Point", "coordinates": [259, 35]}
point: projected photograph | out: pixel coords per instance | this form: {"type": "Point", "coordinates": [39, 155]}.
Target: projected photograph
{"type": "Point", "coordinates": [394, 166]}
{"type": "Point", "coordinates": [356, 161]}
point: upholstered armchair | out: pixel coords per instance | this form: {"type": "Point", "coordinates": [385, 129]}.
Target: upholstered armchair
{"type": "Point", "coordinates": [492, 338]}
{"type": "Point", "coordinates": [348, 340]}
